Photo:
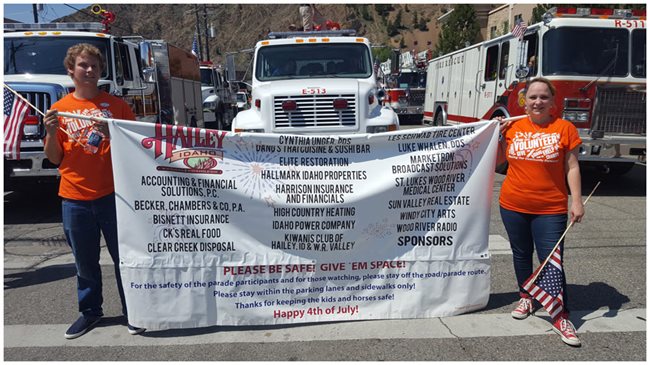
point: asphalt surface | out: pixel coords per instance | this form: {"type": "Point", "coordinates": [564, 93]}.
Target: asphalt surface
{"type": "Point", "coordinates": [605, 262]}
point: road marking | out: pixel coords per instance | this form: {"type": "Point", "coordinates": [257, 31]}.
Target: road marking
{"type": "Point", "coordinates": [463, 326]}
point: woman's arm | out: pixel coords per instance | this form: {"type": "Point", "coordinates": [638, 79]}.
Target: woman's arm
{"type": "Point", "coordinates": [577, 210]}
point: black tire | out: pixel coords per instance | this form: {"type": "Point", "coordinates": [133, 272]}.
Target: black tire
{"type": "Point", "coordinates": [439, 119]}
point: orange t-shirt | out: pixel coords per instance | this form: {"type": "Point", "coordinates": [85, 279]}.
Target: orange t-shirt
{"type": "Point", "coordinates": [536, 179]}
{"type": "Point", "coordinates": [86, 175]}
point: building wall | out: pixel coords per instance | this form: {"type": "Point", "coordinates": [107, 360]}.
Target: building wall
{"type": "Point", "coordinates": [501, 20]}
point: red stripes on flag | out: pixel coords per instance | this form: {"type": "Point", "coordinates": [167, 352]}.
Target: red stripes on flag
{"type": "Point", "coordinates": [15, 111]}
{"type": "Point", "coordinates": [546, 284]}
{"type": "Point", "coordinates": [519, 30]}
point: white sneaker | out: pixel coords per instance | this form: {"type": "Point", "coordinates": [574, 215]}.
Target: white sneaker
{"type": "Point", "coordinates": [524, 309]}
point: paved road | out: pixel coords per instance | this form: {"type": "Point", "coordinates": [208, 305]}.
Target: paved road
{"type": "Point", "coordinates": [605, 263]}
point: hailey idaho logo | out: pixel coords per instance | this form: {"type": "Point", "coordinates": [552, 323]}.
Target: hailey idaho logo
{"type": "Point", "coordinates": [190, 150]}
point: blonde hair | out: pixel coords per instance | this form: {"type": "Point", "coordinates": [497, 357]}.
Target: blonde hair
{"type": "Point", "coordinates": [78, 49]}
{"type": "Point", "coordinates": [543, 81]}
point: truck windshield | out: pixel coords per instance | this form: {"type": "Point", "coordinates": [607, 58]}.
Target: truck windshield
{"type": "Point", "coordinates": [206, 77]}
{"type": "Point", "coordinates": [44, 55]}
{"type": "Point", "coordinates": [412, 80]}
{"type": "Point", "coordinates": [344, 60]}
{"type": "Point", "coordinates": [586, 52]}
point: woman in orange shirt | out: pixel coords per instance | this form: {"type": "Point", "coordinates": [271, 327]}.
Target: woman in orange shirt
{"type": "Point", "coordinates": [542, 155]}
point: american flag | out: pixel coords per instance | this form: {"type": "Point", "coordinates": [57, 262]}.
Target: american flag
{"type": "Point", "coordinates": [519, 30]}
{"type": "Point", "coordinates": [195, 47]}
{"type": "Point", "coordinates": [15, 113]}
{"type": "Point", "coordinates": [546, 286]}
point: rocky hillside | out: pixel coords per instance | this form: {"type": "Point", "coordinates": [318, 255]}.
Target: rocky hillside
{"type": "Point", "coordinates": [239, 26]}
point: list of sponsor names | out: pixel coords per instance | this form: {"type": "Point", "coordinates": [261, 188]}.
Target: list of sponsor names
{"type": "Point", "coordinates": [189, 215]}
{"type": "Point", "coordinates": [314, 183]}
{"type": "Point", "coordinates": [429, 185]}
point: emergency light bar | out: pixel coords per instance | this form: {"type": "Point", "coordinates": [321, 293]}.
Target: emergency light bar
{"type": "Point", "coordinates": [313, 33]}
{"type": "Point", "coordinates": [86, 26]}
{"type": "Point", "coordinates": [598, 13]}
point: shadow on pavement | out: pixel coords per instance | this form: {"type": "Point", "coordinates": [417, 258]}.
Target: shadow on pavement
{"type": "Point", "coordinates": [632, 183]}
{"type": "Point", "coordinates": [33, 203]}
{"type": "Point", "coordinates": [581, 298]}
{"type": "Point", "coordinates": [39, 276]}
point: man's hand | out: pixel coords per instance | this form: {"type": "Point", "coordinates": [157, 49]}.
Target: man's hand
{"type": "Point", "coordinates": [102, 127]}
{"type": "Point", "coordinates": [51, 122]}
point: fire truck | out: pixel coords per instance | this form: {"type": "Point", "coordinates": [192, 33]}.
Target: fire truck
{"type": "Point", "coordinates": [596, 58]}
{"type": "Point", "coordinates": [159, 81]}
{"type": "Point", "coordinates": [313, 82]}
{"type": "Point", "coordinates": [404, 78]}
{"type": "Point", "coordinates": [219, 103]}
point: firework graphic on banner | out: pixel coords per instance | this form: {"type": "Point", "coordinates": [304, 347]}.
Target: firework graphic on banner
{"type": "Point", "coordinates": [248, 165]}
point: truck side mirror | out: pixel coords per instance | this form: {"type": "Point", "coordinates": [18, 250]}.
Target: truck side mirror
{"type": "Point", "coordinates": [381, 94]}
{"type": "Point", "coordinates": [230, 68]}
{"type": "Point", "coordinates": [148, 63]}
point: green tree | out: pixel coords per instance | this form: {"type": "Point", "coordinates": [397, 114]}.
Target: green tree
{"type": "Point", "coordinates": [391, 29]}
{"type": "Point", "coordinates": [365, 14]}
{"type": "Point", "coordinates": [538, 12]}
{"type": "Point", "coordinates": [382, 53]}
{"type": "Point", "coordinates": [461, 27]}
{"type": "Point", "coordinates": [398, 20]}
{"type": "Point", "coordinates": [423, 25]}
{"type": "Point", "coordinates": [383, 9]}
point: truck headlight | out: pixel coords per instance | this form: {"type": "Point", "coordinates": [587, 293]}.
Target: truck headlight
{"type": "Point", "coordinates": [377, 128]}
{"type": "Point", "coordinates": [570, 116]}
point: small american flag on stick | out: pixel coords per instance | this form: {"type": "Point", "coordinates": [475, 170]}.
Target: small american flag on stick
{"type": "Point", "coordinates": [519, 30]}
{"type": "Point", "coordinates": [15, 111]}
{"type": "Point", "coordinates": [546, 285]}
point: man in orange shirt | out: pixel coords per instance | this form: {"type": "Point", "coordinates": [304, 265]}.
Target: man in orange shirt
{"type": "Point", "coordinates": [86, 188]}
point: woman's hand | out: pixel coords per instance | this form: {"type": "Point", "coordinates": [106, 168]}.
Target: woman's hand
{"type": "Point", "coordinates": [577, 211]}
{"type": "Point", "coordinates": [503, 125]}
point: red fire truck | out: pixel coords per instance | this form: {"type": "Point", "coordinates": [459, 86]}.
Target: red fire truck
{"type": "Point", "coordinates": [596, 58]}
{"type": "Point", "coordinates": [404, 78]}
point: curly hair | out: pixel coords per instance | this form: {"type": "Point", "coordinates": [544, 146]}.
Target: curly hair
{"type": "Point", "coordinates": [78, 49]}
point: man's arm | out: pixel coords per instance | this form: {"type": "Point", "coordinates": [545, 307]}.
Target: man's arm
{"type": "Point", "coordinates": [53, 149]}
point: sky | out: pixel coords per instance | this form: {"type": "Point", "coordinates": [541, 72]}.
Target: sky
{"type": "Point", "coordinates": [23, 12]}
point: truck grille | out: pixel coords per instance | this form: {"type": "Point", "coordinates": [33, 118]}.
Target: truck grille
{"type": "Point", "coordinates": [42, 101]}
{"type": "Point", "coordinates": [620, 110]}
{"type": "Point", "coordinates": [315, 111]}
{"type": "Point", "coordinates": [416, 97]}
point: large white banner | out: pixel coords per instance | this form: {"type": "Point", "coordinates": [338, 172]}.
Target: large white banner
{"type": "Point", "coordinates": [220, 228]}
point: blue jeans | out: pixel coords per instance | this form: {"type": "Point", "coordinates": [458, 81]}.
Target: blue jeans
{"type": "Point", "coordinates": [82, 223]}
{"type": "Point", "coordinates": [529, 232]}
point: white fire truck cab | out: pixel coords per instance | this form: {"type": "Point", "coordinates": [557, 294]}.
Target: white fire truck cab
{"type": "Point", "coordinates": [319, 82]}
{"type": "Point", "coordinates": [596, 58]}
{"type": "Point", "coordinates": [159, 81]}
{"type": "Point", "coordinates": [219, 104]}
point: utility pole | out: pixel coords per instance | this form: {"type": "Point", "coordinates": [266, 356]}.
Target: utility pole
{"type": "Point", "coordinates": [35, 11]}
{"type": "Point", "coordinates": [198, 32]}
{"type": "Point", "coordinates": [207, 36]}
